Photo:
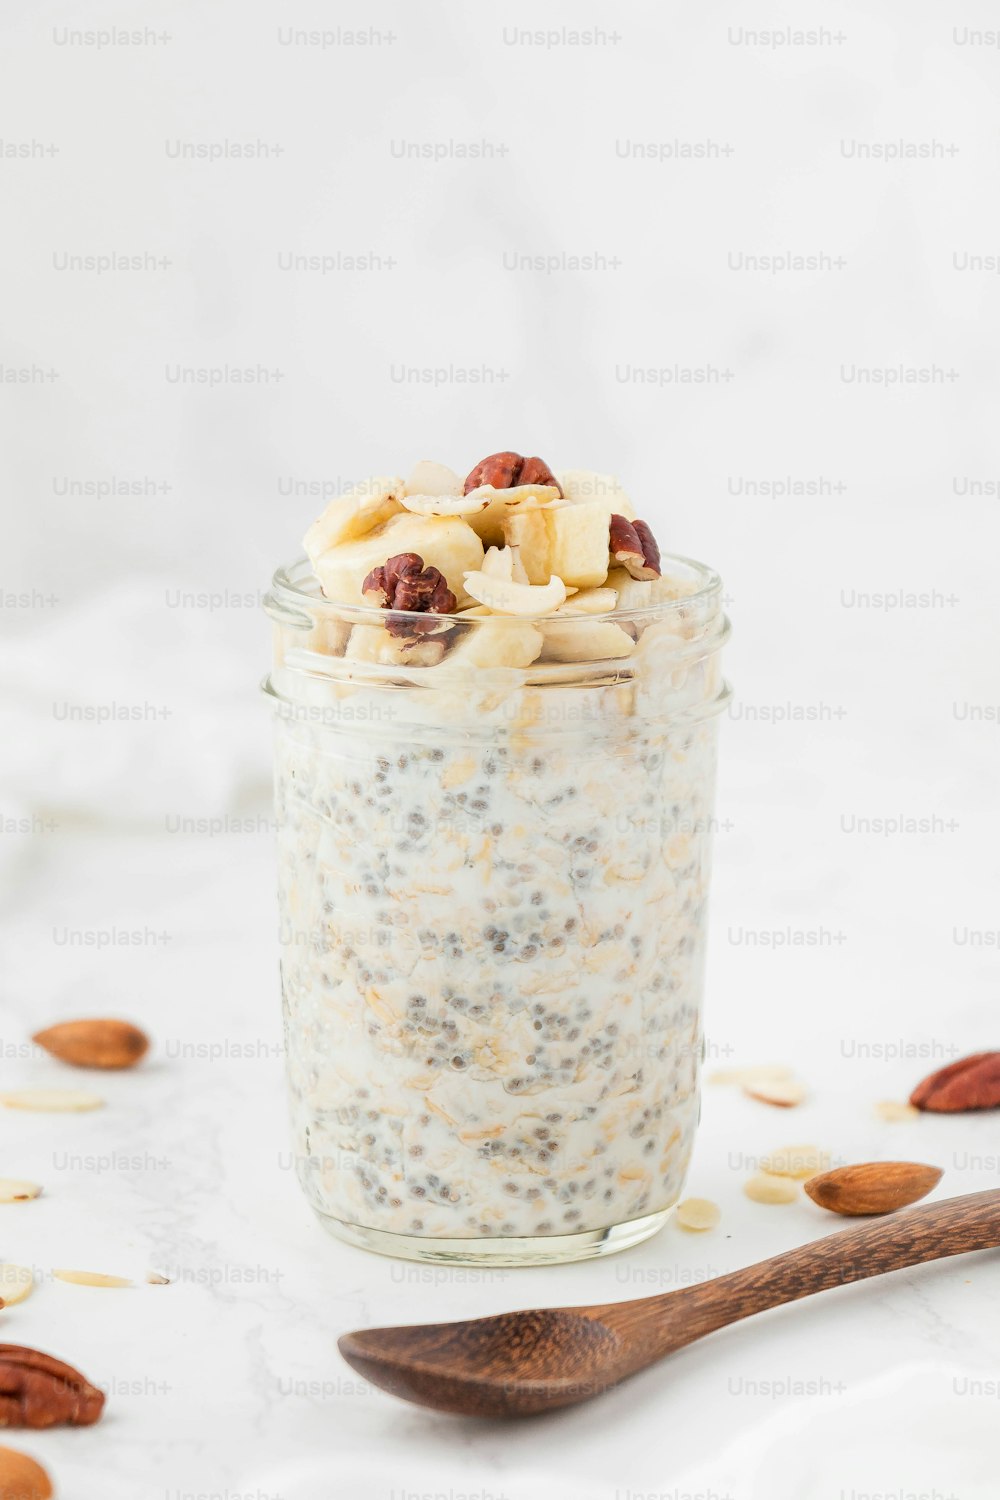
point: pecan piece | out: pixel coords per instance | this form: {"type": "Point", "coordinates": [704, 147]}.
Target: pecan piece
{"type": "Point", "coordinates": [39, 1391]}
{"type": "Point", "coordinates": [402, 582]}
{"type": "Point", "coordinates": [971, 1083]}
{"type": "Point", "coordinates": [504, 471]}
{"type": "Point", "coordinates": [633, 545]}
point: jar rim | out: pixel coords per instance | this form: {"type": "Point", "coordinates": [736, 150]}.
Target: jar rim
{"type": "Point", "coordinates": [295, 589]}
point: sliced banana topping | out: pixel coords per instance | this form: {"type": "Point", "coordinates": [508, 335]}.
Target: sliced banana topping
{"type": "Point", "coordinates": [353, 514]}
{"type": "Point", "coordinates": [505, 597]}
{"type": "Point", "coordinates": [373, 643]}
{"type": "Point", "coordinates": [489, 522]}
{"type": "Point", "coordinates": [490, 643]}
{"type": "Point", "coordinates": [505, 563]}
{"type": "Point", "coordinates": [590, 602]}
{"type": "Point", "coordinates": [447, 543]}
{"type": "Point", "coordinates": [586, 640]}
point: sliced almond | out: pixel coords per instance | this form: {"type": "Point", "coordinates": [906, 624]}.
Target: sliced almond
{"type": "Point", "coordinates": [697, 1214]}
{"type": "Point", "coordinates": [54, 1100]}
{"type": "Point", "coordinates": [430, 478]}
{"type": "Point", "coordinates": [444, 505]}
{"type": "Point", "coordinates": [21, 1478]}
{"type": "Point", "coordinates": [763, 1073]}
{"type": "Point", "coordinates": [16, 1283]}
{"type": "Point", "coordinates": [873, 1187]}
{"type": "Point", "coordinates": [765, 1187]}
{"type": "Point", "coordinates": [894, 1111]}
{"type": "Point", "coordinates": [796, 1161]}
{"type": "Point", "coordinates": [783, 1094]}
{"type": "Point", "coordinates": [91, 1278]}
{"type": "Point", "coordinates": [14, 1191]}
{"type": "Point", "coordinates": [154, 1278]}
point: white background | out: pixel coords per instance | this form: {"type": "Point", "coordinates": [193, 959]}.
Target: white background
{"type": "Point", "coordinates": [864, 958]}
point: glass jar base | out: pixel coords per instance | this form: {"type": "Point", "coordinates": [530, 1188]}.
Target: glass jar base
{"type": "Point", "coordinates": [534, 1250]}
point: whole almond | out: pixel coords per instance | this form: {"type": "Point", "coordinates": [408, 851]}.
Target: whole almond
{"type": "Point", "coordinates": [873, 1187]}
{"type": "Point", "coordinates": [21, 1478]}
{"type": "Point", "coordinates": [95, 1044]}
{"type": "Point", "coordinates": [971, 1083]}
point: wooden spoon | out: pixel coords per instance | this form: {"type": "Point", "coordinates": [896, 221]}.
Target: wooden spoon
{"type": "Point", "coordinates": [520, 1363]}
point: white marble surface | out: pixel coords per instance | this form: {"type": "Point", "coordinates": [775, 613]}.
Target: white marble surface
{"type": "Point", "coordinates": [227, 1382]}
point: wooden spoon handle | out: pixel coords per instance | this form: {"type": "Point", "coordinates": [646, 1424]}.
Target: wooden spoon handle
{"type": "Point", "coordinates": [886, 1244]}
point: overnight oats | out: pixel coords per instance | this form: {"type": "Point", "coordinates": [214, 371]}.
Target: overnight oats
{"type": "Point", "coordinates": [496, 711]}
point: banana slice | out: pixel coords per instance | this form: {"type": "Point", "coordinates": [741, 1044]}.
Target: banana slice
{"type": "Point", "coordinates": [352, 514]}
{"type": "Point", "coordinates": [429, 478]}
{"type": "Point", "coordinates": [489, 522]}
{"type": "Point", "coordinates": [638, 593]}
{"type": "Point", "coordinates": [328, 637]}
{"type": "Point", "coordinates": [373, 643]}
{"type": "Point", "coordinates": [499, 563]}
{"type": "Point", "coordinates": [444, 542]}
{"type": "Point", "coordinates": [578, 542]}
{"type": "Point", "coordinates": [529, 532]}
{"type": "Point", "coordinates": [590, 602]}
{"type": "Point", "coordinates": [490, 643]}
{"type": "Point", "coordinates": [504, 597]}
{"type": "Point", "coordinates": [586, 640]}
{"type": "Point", "coordinates": [581, 485]}
{"type": "Point", "coordinates": [569, 540]}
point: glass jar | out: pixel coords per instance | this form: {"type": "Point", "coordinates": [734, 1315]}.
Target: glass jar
{"type": "Point", "coordinates": [493, 887]}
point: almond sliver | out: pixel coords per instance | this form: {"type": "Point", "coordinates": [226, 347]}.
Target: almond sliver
{"type": "Point", "coordinates": [698, 1214]}
{"type": "Point", "coordinates": [764, 1187]}
{"type": "Point", "coordinates": [14, 1191]}
{"type": "Point", "coordinates": [785, 1095]}
{"type": "Point", "coordinates": [894, 1111]}
{"type": "Point", "coordinates": [16, 1283]}
{"type": "Point", "coordinates": [796, 1161]}
{"type": "Point", "coordinates": [91, 1278]}
{"type": "Point", "coordinates": [56, 1100]}
{"type": "Point", "coordinates": [765, 1073]}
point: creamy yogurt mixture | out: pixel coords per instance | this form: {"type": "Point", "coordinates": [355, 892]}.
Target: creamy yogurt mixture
{"type": "Point", "coordinates": [494, 813]}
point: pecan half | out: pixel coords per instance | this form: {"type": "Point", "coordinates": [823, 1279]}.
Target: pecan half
{"type": "Point", "coordinates": [402, 582]}
{"type": "Point", "coordinates": [39, 1391]}
{"type": "Point", "coordinates": [971, 1083]}
{"type": "Point", "coordinates": [504, 471]}
{"type": "Point", "coordinates": [633, 545]}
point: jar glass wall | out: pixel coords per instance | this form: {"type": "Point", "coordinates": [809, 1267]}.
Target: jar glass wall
{"type": "Point", "coordinates": [493, 887]}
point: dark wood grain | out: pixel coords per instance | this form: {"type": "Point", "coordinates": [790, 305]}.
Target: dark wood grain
{"type": "Point", "coordinates": [523, 1363]}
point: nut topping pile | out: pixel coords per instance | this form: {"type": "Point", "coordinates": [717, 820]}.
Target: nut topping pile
{"type": "Point", "coordinates": [512, 539]}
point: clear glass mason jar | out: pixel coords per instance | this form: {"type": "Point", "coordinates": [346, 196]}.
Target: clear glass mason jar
{"type": "Point", "coordinates": [492, 888]}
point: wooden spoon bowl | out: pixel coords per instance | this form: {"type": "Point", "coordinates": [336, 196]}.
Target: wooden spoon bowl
{"type": "Point", "coordinates": [521, 1363]}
